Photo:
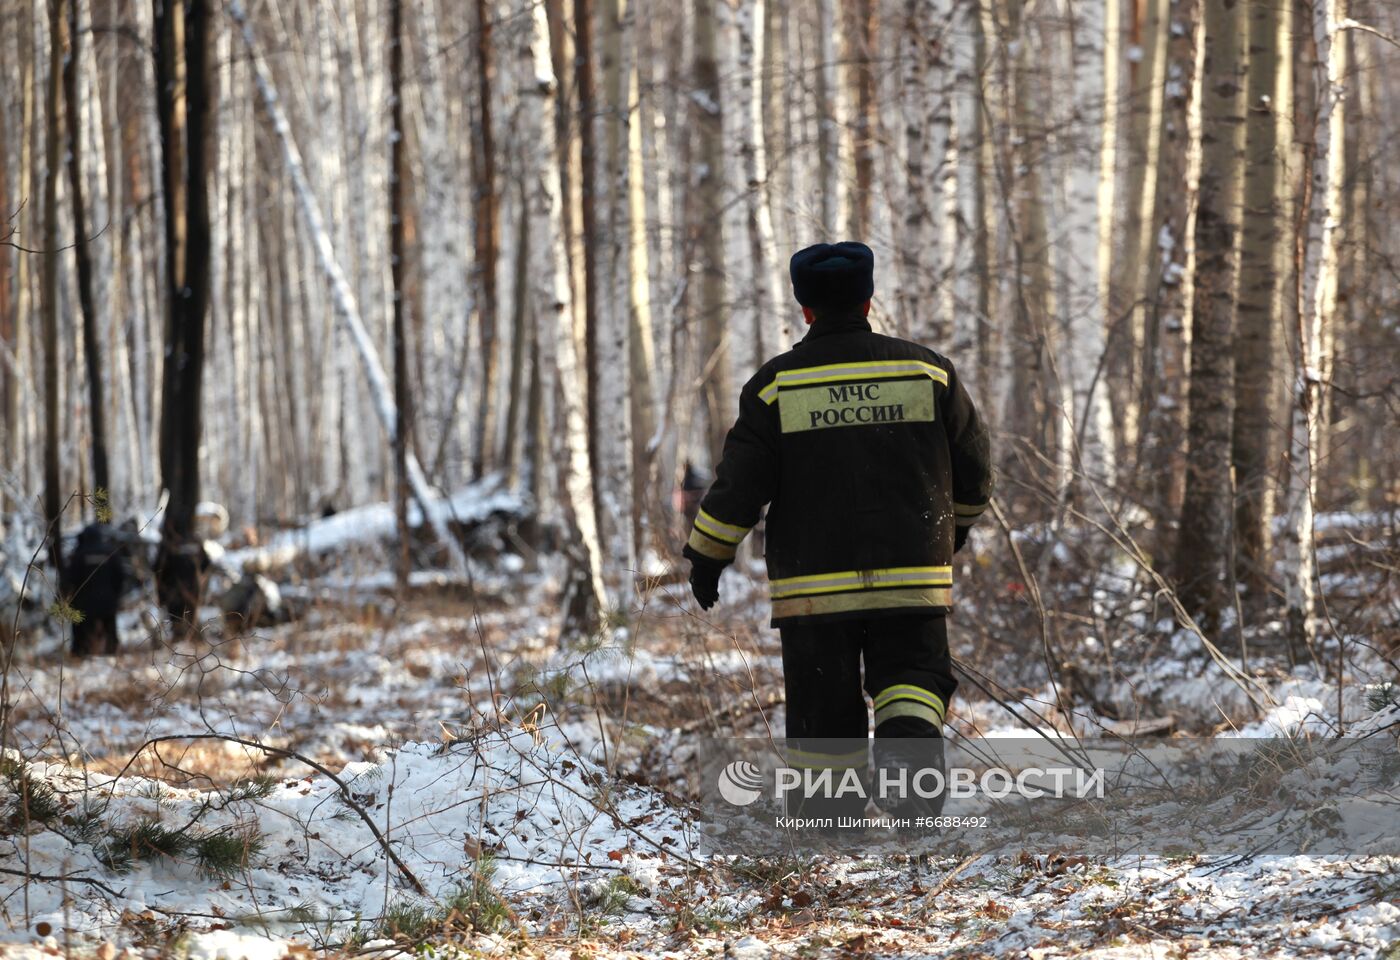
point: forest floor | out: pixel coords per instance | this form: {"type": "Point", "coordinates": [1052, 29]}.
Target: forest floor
{"type": "Point", "coordinates": [237, 799]}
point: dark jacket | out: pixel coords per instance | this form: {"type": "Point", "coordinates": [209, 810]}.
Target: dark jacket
{"type": "Point", "coordinates": [96, 574]}
{"type": "Point", "coordinates": [870, 452]}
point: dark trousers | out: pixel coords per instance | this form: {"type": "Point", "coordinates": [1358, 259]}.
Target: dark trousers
{"type": "Point", "coordinates": [908, 674]}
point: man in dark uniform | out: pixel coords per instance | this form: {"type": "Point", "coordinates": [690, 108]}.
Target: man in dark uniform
{"type": "Point", "coordinates": [874, 464]}
{"type": "Point", "coordinates": [94, 578]}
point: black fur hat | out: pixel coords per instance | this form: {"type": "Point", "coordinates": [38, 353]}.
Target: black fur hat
{"type": "Point", "coordinates": [833, 275]}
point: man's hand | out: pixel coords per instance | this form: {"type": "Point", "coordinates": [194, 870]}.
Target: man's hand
{"type": "Point", "coordinates": [704, 582]}
{"type": "Point", "coordinates": [960, 537]}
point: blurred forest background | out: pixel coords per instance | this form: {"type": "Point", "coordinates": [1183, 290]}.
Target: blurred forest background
{"type": "Point", "coordinates": [297, 257]}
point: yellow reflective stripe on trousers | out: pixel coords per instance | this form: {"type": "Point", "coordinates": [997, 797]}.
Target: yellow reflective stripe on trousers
{"type": "Point", "coordinates": [728, 532]}
{"type": "Point", "coordinates": [837, 761]}
{"type": "Point", "coordinates": [710, 547]}
{"type": "Point", "coordinates": [907, 691]}
{"type": "Point", "coordinates": [908, 598]}
{"type": "Point", "coordinates": [908, 708]}
{"type": "Point", "coordinates": [862, 580]}
{"type": "Point", "coordinates": [861, 369]}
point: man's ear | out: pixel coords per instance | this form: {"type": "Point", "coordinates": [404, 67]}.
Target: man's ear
{"type": "Point", "coordinates": [865, 310]}
{"type": "Point", "coordinates": [809, 315]}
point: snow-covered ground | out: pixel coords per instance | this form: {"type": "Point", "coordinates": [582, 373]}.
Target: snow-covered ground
{"type": "Point", "coordinates": [525, 796]}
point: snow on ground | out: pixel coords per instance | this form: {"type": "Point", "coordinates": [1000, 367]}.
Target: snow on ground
{"type": "Point", "coordinates": [498, 807]}
{"type": "Point", "coordinates": [526, 788]}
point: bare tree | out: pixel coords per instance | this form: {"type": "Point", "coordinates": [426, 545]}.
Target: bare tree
{"type": "Point", "coordinates": [707, 195]}
{"type": "Point", "coordinates": [1203, 546]}
{"type": "Point", "coordinates": [398, 265]}
{"type": "Point", "coordinates": [558, 355]}
{"type": "Point", "coordinates": [1269, 99]}
{"type": "Point", "coordinates": [1164, 374]}
{"type": "Point", "coordinates": [92, 339]}
{"type": "Point", "coordinates": [182, 107]}
{"type": "Point", "coordinates": [1317, 307]}
{"type": "Point", "coordinates": [53, 477]}
{"type": "Point", "coordinates": [486, 243]}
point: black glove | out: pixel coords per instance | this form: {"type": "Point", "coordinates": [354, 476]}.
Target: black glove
{"type": "Point", "coordinates": [704, 582]}
{"type": "Point", "coordinates": [960, 537]}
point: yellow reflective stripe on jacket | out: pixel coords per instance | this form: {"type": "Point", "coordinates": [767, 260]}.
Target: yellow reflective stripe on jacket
{"type": "Point", "coordinates": [709, 546]}
{"type": "Point", "coordinates": [863, 369]}
{"type": "Point", "coordinates": [720, 530]}
{"type": "Point", "coordinates": [862, 580]}
{"type": "Point", "coordinates": [908, 598]}
{"type": "Point", "coordinates": [908, 691]}
{"type": "Point", "coordinates": [815, 760]}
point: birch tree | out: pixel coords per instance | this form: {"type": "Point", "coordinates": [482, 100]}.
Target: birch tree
{"type": "Point", "coordinates": [927, 117]}
{"type": "Point", "coordinates": [584, 590]}
{"type": "Point", "coordinates": [1086, 229]}
{"type": "Point", "coordinates": [1316, 309]}
{"type": "Point", "coordinates": [9, 366]}
{"type": "Point", "coordinates": [615, 496]}
{"type": "Point", "coordinates": [1128, 277]}
{"type": "Point", "coordinates": [831, 120]}
{"type": "Point", "coordinates": [1262, 230]}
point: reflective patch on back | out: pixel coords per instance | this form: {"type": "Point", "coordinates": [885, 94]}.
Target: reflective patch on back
{"type": "Point", "coordinates": [861, 404]}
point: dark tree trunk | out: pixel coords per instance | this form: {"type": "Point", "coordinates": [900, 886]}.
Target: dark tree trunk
{"type": "Point", "coordinates": [487, 240]}
{"type": "Point", "coordinates": [1163, 396]}
{"type": "Point", "coordinates": [92, 345]}
{"type": "Point", "coordinates": [1203, 547]}
{"type": "Point", "coordinates": [397, 265]}
{"type": "Point", "coordinates": [182, 67]}
{"type": "Point", "coordinates": [592, 281]}
{"type": "Point", "coordinates": [53, 478]}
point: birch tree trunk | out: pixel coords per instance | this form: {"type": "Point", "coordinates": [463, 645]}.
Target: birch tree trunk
{"type": "Point", "coordinates": [1316, 310]}
{"type": "Point", "coordinates": [1088, 223]}
{"type": "Point", "coordinates": [584, 590]}
{"type": "Point", "coordinates": [1203, 546]}
{"type": "Point", "coordinates": [613, 428]}
{"type": "Point", "coordinates": [927, 120]}
{"type": "Point", "coordinates": [642, 360]}
{"type": "Point", "coordinates": [9, 368]}
{"type": "Point", "coordinates": [25, 434]}
{"type": "Point", "coordinates": [984, 237]}
{"type": "Point", "coordinates": [1268, 98]}
{"type": "Point", "coordinates": [831, 119]}
{"type": "Point", "coordinates": [1126, 290]}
